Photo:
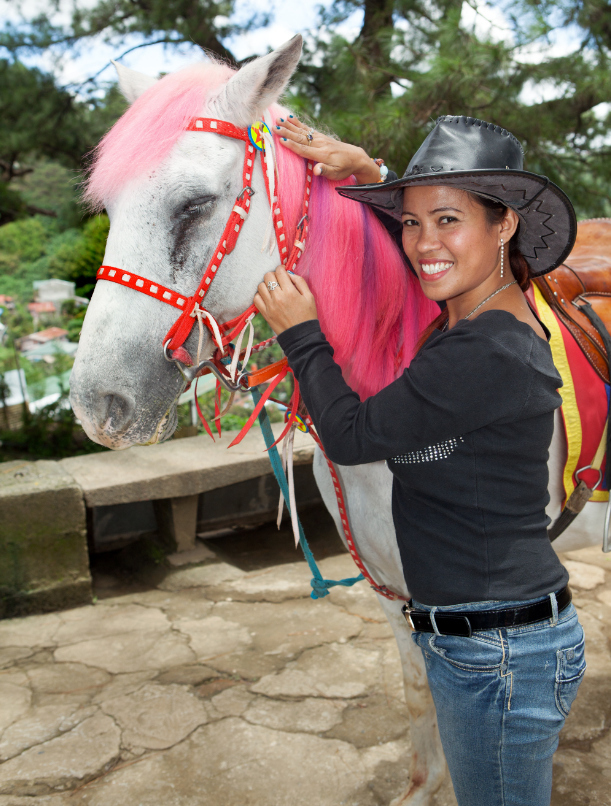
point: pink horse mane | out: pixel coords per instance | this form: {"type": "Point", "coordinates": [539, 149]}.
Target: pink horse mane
{"type": "Point", "coordinates": [371, 308]}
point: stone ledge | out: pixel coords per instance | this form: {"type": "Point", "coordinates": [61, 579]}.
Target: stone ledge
{"type": "Point", "coordinates": [177, 468]}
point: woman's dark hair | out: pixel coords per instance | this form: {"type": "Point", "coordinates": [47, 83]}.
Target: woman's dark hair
{"type": "Point", "coordinates": [495, 213]}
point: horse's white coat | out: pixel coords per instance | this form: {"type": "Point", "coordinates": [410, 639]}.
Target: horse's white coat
{"type": "Point", "coordinates": [124, 396]}
{"type": "Point", "coordinates": [124, 392]}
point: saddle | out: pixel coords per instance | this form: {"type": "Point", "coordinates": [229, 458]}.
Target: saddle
{"type": "Point", "coordinates": [579, 292]}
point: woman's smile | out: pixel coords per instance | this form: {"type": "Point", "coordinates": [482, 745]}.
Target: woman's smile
{"type": "Point", "coordinates": [434, 269]}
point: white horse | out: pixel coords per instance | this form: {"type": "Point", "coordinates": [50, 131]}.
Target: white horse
{"type": "Point", "coordinates": [169, 196]}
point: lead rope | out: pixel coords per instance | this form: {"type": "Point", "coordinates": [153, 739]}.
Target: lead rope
{"type": "Point", "coordinates": [320, 585]}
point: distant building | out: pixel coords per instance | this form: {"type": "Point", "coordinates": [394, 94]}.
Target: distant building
{"type": "Point", "coordinates": [43, 337]}
{"type": "Point", "coordinates": [56, 291]}
{"type": "Point", "coordinates": [49, 296]}
{"type": "Point", "coordinates": [48, 352]}
{"type": "Point", "coordinates": [40, 311]}
{"type": "Point", "coordinates": [7, 302]}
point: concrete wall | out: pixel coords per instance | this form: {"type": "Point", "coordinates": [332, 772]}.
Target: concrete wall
{"type": "Point", "coordinates": [53, 513]}
{"type": "Point", "coordinates": [44, 564]}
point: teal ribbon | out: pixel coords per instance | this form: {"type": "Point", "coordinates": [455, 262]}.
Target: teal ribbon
{"type": "Point", "coordinates": [320, 586]}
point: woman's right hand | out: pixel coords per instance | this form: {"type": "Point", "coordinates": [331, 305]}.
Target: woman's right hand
{"type": "Point", "coordinates": [333, 159]}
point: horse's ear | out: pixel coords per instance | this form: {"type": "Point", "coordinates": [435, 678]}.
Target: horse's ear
{"type": "Point", "coordinates": [259, 83]}
{"type": "Point", "coordinates": [132, 83]}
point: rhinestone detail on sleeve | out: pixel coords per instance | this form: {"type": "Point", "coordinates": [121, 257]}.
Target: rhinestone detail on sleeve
{"type": "Point", "coordinates": [431, 454]}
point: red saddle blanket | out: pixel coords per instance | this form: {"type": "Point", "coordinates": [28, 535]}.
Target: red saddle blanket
{"type": "Point", "coordinates": [585, 402]}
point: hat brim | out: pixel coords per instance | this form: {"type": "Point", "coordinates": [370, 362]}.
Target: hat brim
{"type": "Point", "coordinates": [548, 225]}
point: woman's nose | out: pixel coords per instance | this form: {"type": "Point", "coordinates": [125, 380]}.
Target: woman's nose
{"type": "Point", "coordinates": [428, 239]}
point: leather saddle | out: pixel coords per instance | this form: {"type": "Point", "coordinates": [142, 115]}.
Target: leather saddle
{"type": "Point", "coordinates": [585, 277]}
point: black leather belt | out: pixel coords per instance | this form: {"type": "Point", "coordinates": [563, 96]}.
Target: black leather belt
{"type": "Point", "coordinates": [469, 621]}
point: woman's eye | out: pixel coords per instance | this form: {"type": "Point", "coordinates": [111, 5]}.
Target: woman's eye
{"type": "Point", "coordinates": [447, 219]}
{"type": "Point", "coordinates": [410, 222]}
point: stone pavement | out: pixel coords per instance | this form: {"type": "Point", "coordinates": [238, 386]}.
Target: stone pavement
{"type": "Point", "coordinates": [224, 684]}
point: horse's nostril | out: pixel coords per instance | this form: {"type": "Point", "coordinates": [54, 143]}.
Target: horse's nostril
{"type": "Point", "coordinates": [117, 413]}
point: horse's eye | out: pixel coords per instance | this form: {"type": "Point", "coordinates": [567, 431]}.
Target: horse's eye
{"type": "Point", "coordinates": [197, 207]}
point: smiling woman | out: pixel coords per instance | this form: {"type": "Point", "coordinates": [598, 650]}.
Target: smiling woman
{"type": "Point", "coordinates": [466, 431]}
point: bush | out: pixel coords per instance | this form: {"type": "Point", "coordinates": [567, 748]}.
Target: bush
{"type": "Point", "coordinates": [80, 259]}
{"type": "Point", "coordinates": [50, 433]}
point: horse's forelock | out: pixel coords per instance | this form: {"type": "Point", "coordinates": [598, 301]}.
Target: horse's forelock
{"type": "Point", "coordinates": [371, 308]}
{"type": "Point", "coordinates": [145, 134]}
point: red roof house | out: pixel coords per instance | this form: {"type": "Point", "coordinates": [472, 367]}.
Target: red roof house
{"type": "Point", "coordinates": [43, 337]}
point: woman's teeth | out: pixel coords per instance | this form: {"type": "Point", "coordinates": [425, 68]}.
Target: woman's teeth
{"type": "Point", "coordinates": [435, 268]}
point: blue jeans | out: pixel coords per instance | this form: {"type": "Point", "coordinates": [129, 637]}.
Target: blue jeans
{"type": "Point", "coordinates": [501, 698]}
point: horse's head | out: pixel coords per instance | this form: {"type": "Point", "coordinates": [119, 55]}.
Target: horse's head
{"type": "Point", "coordinates": [169, 194]}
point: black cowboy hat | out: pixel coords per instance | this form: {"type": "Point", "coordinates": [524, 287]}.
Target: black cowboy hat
{"type": "Point", "coordinates": [485, 159]}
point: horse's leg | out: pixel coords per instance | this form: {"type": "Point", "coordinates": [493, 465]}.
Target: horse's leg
{"type": "Point", "coordinates": [428, 767]}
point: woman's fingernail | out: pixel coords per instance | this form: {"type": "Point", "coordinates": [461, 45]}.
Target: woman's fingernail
{"type": "Point", "coordinates": [291, 116]}
{"type": "Point", "coordinates": [281, 120]}
{"type": "Point", "coordinates": [284, 139]}
{"type": "Point", "coordinates": [277, 127]}
{"type": "Point", "coordinates": [290, 272]}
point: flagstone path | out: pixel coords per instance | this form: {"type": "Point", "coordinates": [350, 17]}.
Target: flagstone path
{"type": "Point", "coordinates": [221, 686]}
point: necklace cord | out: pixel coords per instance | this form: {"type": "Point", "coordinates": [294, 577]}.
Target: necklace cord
{"type": "Point", "coordinates": [483, 302]}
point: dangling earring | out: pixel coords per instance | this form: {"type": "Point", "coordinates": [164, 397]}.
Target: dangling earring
{"type": "Point", "coordinates": [502, 255]}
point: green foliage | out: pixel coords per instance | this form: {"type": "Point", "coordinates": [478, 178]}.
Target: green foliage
{"type": "Point", "coordinates": [45, 133]}
{"type": "Point", "coordinates": [12, 206]}
{"type": "Point", "coordinates": [79, 259]}
{"type": "Point", "coordinates": [234, 420]}
{"type": "Point", "coordinates": [52, 188]}
{"type": "Point", "coordinates": [51, 433]}
{"type": "Point", "coordinates": [25, 240]}
{"type": "Point", "coordinates": [102, 111]}
{"type": "Point", "coordinates": [412, 62]}
{"type": "Point", "coordinates": [25, 247]}
{"type": "Point", "coordinates": [172, 22]}
{"type": "Point", "coordinates": [33, 249]}
{"type": "Point", "coordinates": [36, 118]}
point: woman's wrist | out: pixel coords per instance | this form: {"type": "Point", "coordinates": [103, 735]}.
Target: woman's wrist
{"type": "Point", "coordinates": [367, 172]}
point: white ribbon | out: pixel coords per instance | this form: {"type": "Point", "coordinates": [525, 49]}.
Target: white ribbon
{"type": "Point", "coordinates": [236, 355]}
{"type": "Point", "coordinates": [287, 466]}
{"type": "Point", "coordinates": [201, 314]}
{"type": "Point", "coordinates": [269, 241]}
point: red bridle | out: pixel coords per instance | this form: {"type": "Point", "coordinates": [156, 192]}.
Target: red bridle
{"type": "Point", "coordinates": [180, 330]}
{"type": "Point", "coordinates": [191, 305]}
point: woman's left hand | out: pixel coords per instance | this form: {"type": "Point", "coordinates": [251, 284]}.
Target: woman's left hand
{"type": "Point", "coordinates": [284, 300]}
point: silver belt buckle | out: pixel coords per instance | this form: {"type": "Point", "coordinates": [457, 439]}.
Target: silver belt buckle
{"type": "Point", "coordinates": [407, 615]}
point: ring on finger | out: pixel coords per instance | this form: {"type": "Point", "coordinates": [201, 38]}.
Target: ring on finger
{"type": "Point", "coordinates": [310, 135]}
{"type": "Point", "coordinates": [273, 284]}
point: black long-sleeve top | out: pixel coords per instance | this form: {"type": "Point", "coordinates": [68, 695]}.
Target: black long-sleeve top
{"type": "Point", "coordinates": [465, 431]}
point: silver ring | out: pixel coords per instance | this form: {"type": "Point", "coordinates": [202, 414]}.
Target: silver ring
{"type": "Point", "coordinates": [273, 284]}
{"type": "Point", "coordinates": [310, 135]}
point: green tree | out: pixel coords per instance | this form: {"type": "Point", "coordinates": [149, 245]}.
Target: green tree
{"type": "Point", "coordinates": [413, 61]}
{"type": "Point", "coordinates": [36, 118]}
{"type": "Point", "coordinates": [173, 23]}
{"type": "Point", "coordinates": [79, 259]}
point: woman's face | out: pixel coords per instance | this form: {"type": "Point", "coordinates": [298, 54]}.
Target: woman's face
{"type": "Point", "coordinates": [448, 240]}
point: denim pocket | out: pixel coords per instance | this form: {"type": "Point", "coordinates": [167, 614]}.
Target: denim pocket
{"type": "Point", "coordinates": [570, 668]}
{"type": "Point", "coordinates": [481, 654]}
